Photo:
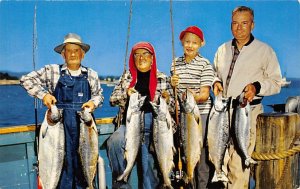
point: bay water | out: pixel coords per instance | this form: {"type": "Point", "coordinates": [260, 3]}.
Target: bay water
{"type": "Point", "coordinates": [17, 107]}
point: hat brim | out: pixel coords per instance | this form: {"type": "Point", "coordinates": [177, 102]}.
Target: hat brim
{"type": "Point", "coordinates": [60, 47]}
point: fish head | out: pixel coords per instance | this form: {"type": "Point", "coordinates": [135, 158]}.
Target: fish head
{"type": "Point", "coordinates": [221, 103]}
{"type": "Point", "coordinates": [85, 115]}
{"type": "Point", "coordinates": [55, 114]}
{"type": "Point", "coordinates": [136, 102]}
{"type": "Point", "coordinates": [188, 101]}
{"type": "Point", "coordinates": [242, 100]}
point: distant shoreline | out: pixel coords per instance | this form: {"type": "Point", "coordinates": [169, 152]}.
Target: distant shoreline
{"type": "Point", "coordinates": [17, 82]}
{"type": "Point", "coordinates": [9, 82]}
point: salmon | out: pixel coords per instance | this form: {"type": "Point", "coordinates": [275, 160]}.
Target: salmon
{"type": "Point", "coordinates": [51, 148]}
{"type": "Point", "coordinates": [163, 139]}
{"type": "Point", "coordinates": [191, 133]}
{"type": "Point", "coordinates": [218, 135]}
{"type": "Point", "coordinates": [133, 133]}
{"type": "Point", "coordinates": [242, 129]}
{"type": "Point", "coordinates": [88, 146]}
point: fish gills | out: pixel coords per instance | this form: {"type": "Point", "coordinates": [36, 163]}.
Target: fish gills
{"type": "Point", "coordinates": [191, 133]}
{"type": "Point", "coordinates": [88, 146]}
{"type": "Point", "coordinates": [51, 148]}
{"type": "Point", "coordinates": [163, 139]}
{"type": "Point", "coordinates": [134, 126]}
{"type": "Point", "coordinates": [218, 136]}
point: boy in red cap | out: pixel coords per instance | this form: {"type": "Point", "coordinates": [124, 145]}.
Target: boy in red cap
{"type": "Point", "coordinates": [194, 72]}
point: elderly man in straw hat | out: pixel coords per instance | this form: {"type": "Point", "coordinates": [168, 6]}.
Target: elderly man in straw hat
{"type": "Point", "coordinates": [71, 87]}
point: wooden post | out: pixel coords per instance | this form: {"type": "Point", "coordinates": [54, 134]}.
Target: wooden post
{"type": "Point", "coordinates": [275, 134]}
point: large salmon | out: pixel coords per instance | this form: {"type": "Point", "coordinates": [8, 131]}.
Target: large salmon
{"type": "Point", "coordinates": [218, 135]}
{"type": "Point", "coordinates": [163, 139]}
{"type": "Point", "coordinates": [191, 133]}
{"type": "Point", "coordinates": [51, 148]}
{"type": "Point", "coordinates": [88, 146]}
{"type": "Point", "coordinates": [134, 126]}
{"type": "Point", "coordinates": [242, 129]}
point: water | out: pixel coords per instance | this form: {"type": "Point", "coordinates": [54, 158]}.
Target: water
{"type": "Point", "coordinates": [17, 107]}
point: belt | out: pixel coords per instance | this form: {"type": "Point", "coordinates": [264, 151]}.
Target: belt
{"type": "Point", "coordinates": [235, 102]}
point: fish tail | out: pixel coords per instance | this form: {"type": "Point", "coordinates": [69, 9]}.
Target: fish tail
{"type": "Point", "coordinates": [249, 161]}
{"type": "Point", "coordinates": [219, 177]}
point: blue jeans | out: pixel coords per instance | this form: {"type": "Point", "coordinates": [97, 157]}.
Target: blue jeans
{"type": "Point", "coordinates": [145, 160]}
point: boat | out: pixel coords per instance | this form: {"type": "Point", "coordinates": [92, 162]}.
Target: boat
{"type": "Point", "coordinates": [284, 82]}
{"type": "Point", "coordinates": [18, 158]}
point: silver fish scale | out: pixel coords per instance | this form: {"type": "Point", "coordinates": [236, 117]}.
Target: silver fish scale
{"type": "Point", "coordinates": [191, 133]}
{"type": "Point", "coordinates": [88, 150]}
{"type": "Point", "coordinates": [242, 131]}
{"type": "Point", "coordinates": [134, 126]}
{"type": "Point", "coordinates": [51, 150]}
{"type": "Point", "coordinates": [163, 139]}
{"type": "Point", "coordinates": [218, 135]}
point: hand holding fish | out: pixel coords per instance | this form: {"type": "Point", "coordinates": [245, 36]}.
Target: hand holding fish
{"type": "Point", "coordinates": [130, 91]}
{"type": "Point", "coordinates": [250, 92]}
{"type": "Point", "coordinates": [175, 80]}
{"type": "Point", "coordinates": [165, 95]}
{"type": "Point", "coordinates": [217, 88]}
{"type": "Point", "coordinates": [49, 100]}
{"type": "Point", "coordinates": [90, 104]}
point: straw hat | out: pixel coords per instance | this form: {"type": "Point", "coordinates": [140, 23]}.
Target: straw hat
{"type": "Point", "coordinates": [74, 39]}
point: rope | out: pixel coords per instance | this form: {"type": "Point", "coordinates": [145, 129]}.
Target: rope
{"type": "Point", "coordinates": [278, 155]}
{"type": "Point", "coordinates": [285, 169]}
{"type": "Point", "coordinates": [275, 156]}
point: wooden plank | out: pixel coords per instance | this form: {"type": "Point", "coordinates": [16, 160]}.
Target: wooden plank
{"type": "Point", "coordinates": [275, 133]}
{"type": "Point", "coordinates": [28, 128]}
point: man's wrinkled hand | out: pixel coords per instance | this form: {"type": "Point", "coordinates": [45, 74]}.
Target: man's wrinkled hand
{"type": "Point", "coordinates": [90, 104]}
{"type": "Point", "coordinates": [49, 100]}
{"type": "Point", "coordinates": [217, 88]}
{"type": "Point", "coordinates": [175, 80]}
{"type": "Point", "coordinates": [130, 91]}
{"type": "Point", "coordinates": [250, 92]}
{"type": "Point", "coordinates": [165, 95]}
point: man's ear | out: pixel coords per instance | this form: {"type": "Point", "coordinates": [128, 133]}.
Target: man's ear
{"type": "Point", "coordinates": [63, 54]}
{"type": "Point", "coordinates": [83, 54]}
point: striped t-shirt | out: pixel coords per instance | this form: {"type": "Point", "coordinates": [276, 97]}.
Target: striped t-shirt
{"type": "Point", "coordinates": [193, 75]}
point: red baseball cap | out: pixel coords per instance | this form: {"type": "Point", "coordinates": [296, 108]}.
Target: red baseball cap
{"type": "Point", "coordinates": [192, 29]}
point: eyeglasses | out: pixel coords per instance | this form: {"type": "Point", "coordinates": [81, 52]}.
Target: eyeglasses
{"type": "Point", "coordinates": [144, 55]}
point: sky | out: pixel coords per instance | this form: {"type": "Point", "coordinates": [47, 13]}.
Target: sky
{"type": "Point", "coordinates": [103, 25]}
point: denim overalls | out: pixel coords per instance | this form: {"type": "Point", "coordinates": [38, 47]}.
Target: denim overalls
{"type": "Point", "coordinates": [71, 92]}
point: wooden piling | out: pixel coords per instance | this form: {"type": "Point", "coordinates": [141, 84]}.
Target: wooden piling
{"type": "Point", "coordinates": [275, 151]}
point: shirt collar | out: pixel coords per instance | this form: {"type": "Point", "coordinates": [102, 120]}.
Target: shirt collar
{"type": "Point", "coordinates": [233, 43]}
{"type": "Point", "coordinates": [83, 69]}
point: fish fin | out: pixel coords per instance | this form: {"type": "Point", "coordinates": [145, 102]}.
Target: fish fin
{"type": "Point", "coordinates": [249, 161]}
{"type": "Point", "coordinates": [44, 130]}
{"type": "Point", "coordinates": [123, 177]}
{"type": "Point", "coordinates": [219, 177]}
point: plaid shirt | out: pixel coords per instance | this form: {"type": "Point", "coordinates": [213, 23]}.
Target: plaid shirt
{"type": "Point", "coordinates": [119, 95]}
{"type": "Point", "coordinates": [39, 83]}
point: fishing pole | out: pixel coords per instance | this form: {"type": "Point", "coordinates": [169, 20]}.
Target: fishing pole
{"type": "Point", "coordinates": [37, 128]}
{"type": "Point", "coordinates": [125, 60]}
{"type": "Point", "coordinates": [179, 164]}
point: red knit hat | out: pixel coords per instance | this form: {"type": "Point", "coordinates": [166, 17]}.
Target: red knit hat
{"type": "Point", "coordinates": [133, 70]}
{"type": "Point", "coordinates": [192, 29]}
